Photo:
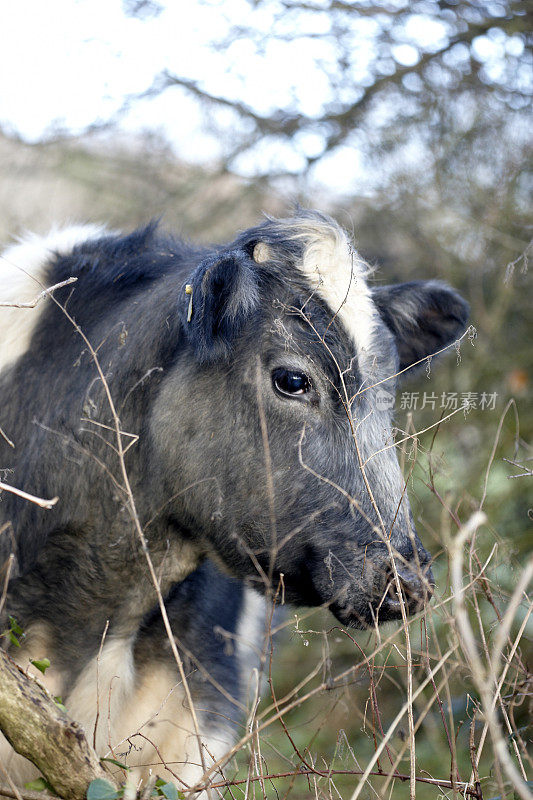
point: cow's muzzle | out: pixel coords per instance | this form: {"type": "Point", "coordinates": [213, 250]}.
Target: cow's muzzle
{"type": "Point", "coordinates": [416, 589]}
{"type": "Point", "coordinates": [383, 603]}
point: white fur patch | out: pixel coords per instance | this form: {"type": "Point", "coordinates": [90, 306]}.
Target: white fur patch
{"type": "Point", "coordinates": [339, 275]}
{"type": "Point", "coordinates": [22, 275]}
{"type": "Point", "coordinates": [251, 632]}
{"type": "Point", "coordinates": [156, 713]}
{"type": "Point", "coordinates": [111, 680]}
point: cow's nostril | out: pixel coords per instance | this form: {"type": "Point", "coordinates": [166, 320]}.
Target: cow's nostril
{"type": "Point", "coordinates": [417, 587]}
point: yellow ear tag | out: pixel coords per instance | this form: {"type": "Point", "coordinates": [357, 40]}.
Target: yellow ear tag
{"type": "Point", "coordinates": [188, 290]}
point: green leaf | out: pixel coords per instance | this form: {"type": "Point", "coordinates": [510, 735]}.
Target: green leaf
{"type": "Point", "coordinates": [169, 791]}
{"type": "Point", "coordinates": [14, 631]}
{"type": "Point", "coordinates": [38, 785]}
{"type": "Point", "coordinates": [59, 703]}
{"type": "Point", "coordinates": [41, 664]}
{"type": "Point", "coordinates": [116, 763]}
{"type": "Point", "coordinates": [100, 789]}
{"type": "Point", "coordinates": [15, 627]}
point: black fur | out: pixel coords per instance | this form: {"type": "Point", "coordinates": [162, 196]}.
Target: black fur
{"type": "Point", "coordinates": [221, 295]}
{"type": "Point", "coordinates": [424, 317]}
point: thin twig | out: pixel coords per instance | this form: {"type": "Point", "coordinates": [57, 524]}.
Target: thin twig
{"type": "Point", "coordinates": [98, 657]}
{"type": "Point", "coordinates": [40, 296]}
{"type": "Point", "coordinates": [4, 435]}
{"type": "Point", "coordinates": [484, 682]}
{"type": "Point", "coordinates": [48, 504]}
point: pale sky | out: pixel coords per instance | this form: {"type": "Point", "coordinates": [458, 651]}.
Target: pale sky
{"type": "Point", "coordinates": [73, 62]}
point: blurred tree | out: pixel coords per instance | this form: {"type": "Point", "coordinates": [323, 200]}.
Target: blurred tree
{"type": "Point", "coordinates": [382, 75]}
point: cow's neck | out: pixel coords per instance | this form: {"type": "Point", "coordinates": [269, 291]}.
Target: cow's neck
{"type": "Point", "coordinates": [108, 585]}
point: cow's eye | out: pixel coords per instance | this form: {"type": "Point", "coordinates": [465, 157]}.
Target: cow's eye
{"type": "Point", "coordinates": [290, 383]}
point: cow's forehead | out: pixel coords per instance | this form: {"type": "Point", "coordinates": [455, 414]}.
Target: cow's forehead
{"type": "Point", "coordinates": [333, 270]}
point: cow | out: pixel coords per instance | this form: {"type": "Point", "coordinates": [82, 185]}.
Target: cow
{"type": "Point", "coordinates": [219, 408]}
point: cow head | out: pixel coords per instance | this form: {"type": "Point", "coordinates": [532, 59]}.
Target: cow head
{"type": "Point", "coordinates": [272, 430]}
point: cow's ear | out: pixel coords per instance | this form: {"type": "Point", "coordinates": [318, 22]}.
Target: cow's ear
{"type": "Point", "coordinates": [216, 301]}
{"type": "Point", "coordinates": [424, 317]}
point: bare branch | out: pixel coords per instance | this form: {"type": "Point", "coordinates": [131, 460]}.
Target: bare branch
{"type": "Point", "coordinates": [484, 679]}
{"type": "Point", "coordinates": [48, 504]}
{"type": "Point", "coordinates": [37, 729]}
{"type": "Point", "coordinates": [40, 296]}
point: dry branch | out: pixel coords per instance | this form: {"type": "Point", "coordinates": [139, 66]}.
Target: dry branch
{"type": "Point", "coordinates": [40, 296]}
{"type": "Point", "coordinates": [37, 729]}
{"type": "Point", "coordinates": [484, 677]}
{"type": "Point", "coordinates": [39, 501]}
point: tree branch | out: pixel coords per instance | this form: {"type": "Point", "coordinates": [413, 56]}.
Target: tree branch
{"type": "Point", "coordinates": [37, 729]}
